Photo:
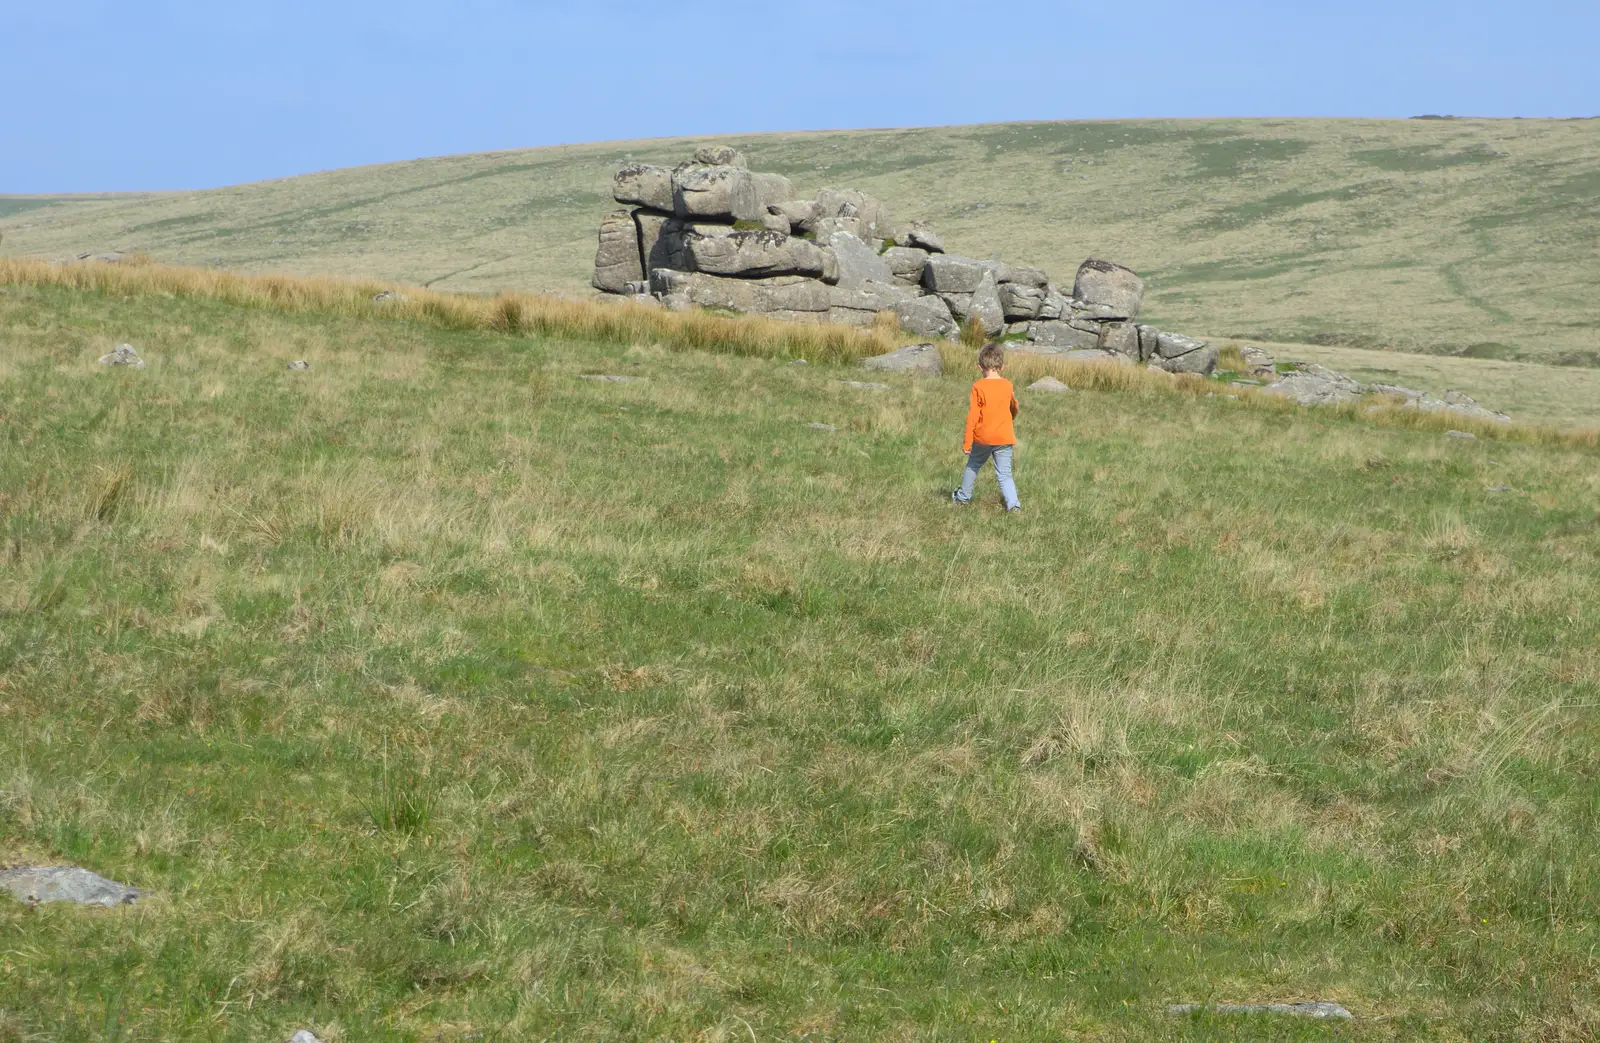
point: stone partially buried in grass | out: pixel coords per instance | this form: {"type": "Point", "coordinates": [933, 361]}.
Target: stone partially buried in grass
{"type": "Point", "coordinates": [1050, 384]}
{"type": "Point", "coordinates": [122, 355]}
{"type": "Point", "coordinates": [914, 358]}
{"type": "Point", "coordinates": [1304, 1010]}
{"type": "Point", "coordinates": [40, 885]}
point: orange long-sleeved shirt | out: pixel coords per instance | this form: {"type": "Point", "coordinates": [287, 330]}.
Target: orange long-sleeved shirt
{"type": "Point", "coordinates": [994, 403]}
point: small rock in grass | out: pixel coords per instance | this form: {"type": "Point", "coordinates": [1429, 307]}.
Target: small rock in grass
{"type": "Point", "coordinates": [1501, 488]}
{"type": "Point", "coordinates": [304, 1036]}
{"type": "Point", "coordinates": [1304, 1010]}
{"type": "Point", "coordinates": [914, 358]}
{"type": "Point", "coordinates": [612, 378]}
{"type": "Point", "coordinates": [799, 362]}
{"type": "Point", "coordinates": [122, 355]}
{"type": "Point", "coordinates": [37, 885]}
{"type": "Point", "coordinates": [298, 364]}
{"type": "Point", "coordinates": [862, 385]}
{"type": "Point", "coordinates": [388, 297]}
{"type": "Point", "coordinates": [1048, 384]}
{"type": "Point", "coordinates": [822, 427]}
{"type": "Point", "coordinates": [1460, 434]}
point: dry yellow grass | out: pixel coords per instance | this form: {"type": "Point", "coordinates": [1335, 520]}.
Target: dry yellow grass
{"type": "Point", "coordinates": [623, 322]}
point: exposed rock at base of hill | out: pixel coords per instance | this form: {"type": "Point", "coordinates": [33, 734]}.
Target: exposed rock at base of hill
{"type": "Point", "coordinates": [754, 254]}
{"type": "Point", "coordinates": [859, 263]}
{"type": "Point", "coordinates": [788, 293]}
{"type": "Point", "coordinates": [644, 185]}
{"type": "Point", "coordinates": [1315, 386]}
{"type": "Point", "coordinates": [915, 358]}
{"type": "Point", "coordinates": [39, 885]}
{"type": "Point", "coordinates": [1112, 285]}
{"type": "Point", "coordinates": [1050, 384]}
{"type": "Point", "coordinates": [1451, 401]}
{"type": "Point", "coordinates": [1257, 361]}
{"type": "Point", "coordinates": [1176, 353]}
{"type": "Point", "coordinates": [616, 261]}
{"type": "Point", "coordinates": [859, 305]}
{"type": "Point", "coordinates": [122, 355]}
{"type": "Point", "coordinates": [926, 317]}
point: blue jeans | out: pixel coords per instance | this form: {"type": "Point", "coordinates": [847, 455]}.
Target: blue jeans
{"type": "Point", "coordinates": [1001, 455]}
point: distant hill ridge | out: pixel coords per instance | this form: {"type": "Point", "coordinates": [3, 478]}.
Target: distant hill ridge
{"type": "Point", "coordinates": [1448, 236]}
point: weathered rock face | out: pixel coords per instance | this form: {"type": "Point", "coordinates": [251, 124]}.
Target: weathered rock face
{"type": "Point", "coordinates": [858, 262]}
{"type": "Point", "coordinates": [616, 261]}
{"type": "Point", "coordinates": [718, 156]}
{"type": "Point", "coordinates": [712, 233]}
{"type": "Point", "coordinates": [1021, 302]}
{"type": "Point", "coordinates": [644, 185]}
{"type": "Point", "coordinates": [985, 306]}
{"type": "Point", "coordinates": [754, 255]}
{"type": "Point", "coordinates": [798, 212]}
{"type": "Point", "coordinates": [906, 263]}
{"type": "Point", "coordinates": [859, 305]}
{"type": "Point", "coordinates": [1061, 336]}
{"type": "Point", "coordinates": [1176, 353]}
{"type": "Point", "coordinates": [727, 193]}
{"type": "Point", "coordinates": [1122, 338]}
{"type": "Point", "coordinates": [789, 293]}
{"type": "Point", "coordinates": [947, 273]}
{"type": "Point", "coordinates": [1022, 276]}
{"type": "Point", "coordinates": [755, 194]}
{"type": "Point", "coordinates": [846, 210]}
{"type": "Point", "coordinates": [926, 317]}
{"type": "Point", "coordinates": [1112, 285]}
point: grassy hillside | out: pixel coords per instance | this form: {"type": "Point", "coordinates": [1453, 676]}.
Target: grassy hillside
{"type": "Point", "coordinates": [439, 694]}
{"type": "Point", "coordinates": [1440, 236]}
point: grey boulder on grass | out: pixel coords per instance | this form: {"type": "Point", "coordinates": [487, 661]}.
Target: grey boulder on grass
{"type": "Point", "coordinates": [914, 358]}
{"type": "Point", "coordinates": [39, 885]}
{"type": "Point", "coordinates": [122, 355]}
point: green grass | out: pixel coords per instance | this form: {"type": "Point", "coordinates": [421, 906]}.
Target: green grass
{"type": "Point", "coordinates": [436, 693]}
{"type": "Point", "coordinates": [1260, 228]}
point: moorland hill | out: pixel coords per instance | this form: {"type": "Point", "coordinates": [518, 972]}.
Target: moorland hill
{"type": "Point", "coordinates": [1440, 236]}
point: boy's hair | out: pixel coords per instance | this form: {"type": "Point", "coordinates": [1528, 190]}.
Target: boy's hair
{"type": "Point", "coordinates": [992, 357]}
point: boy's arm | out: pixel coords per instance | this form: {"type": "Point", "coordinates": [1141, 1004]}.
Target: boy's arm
{"type": "Point", "coordinates": [1016, 407]}
{"type": "Point", "coordinates": [974, 412]}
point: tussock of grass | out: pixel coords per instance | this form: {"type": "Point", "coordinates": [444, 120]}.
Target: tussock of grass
{"type": "Point", "coordinates": [603, 322]}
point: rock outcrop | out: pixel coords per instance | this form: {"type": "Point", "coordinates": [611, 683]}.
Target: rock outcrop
{"type": "Point", "coordinates": [712, 233]}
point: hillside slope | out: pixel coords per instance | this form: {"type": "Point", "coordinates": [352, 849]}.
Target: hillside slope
{"type": "Point", "coordinates": [1444, 236]}
{"type": "Point", "coordinates": [435, 693]}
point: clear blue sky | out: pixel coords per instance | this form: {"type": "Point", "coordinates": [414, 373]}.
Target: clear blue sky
{"type": "Point", "coordinates": [154, 94]}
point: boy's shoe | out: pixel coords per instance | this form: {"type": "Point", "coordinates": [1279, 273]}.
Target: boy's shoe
{"type": "Point", "coordinates": [1014, 510]}
{"type": "Point", "coordinates": [955, 498]}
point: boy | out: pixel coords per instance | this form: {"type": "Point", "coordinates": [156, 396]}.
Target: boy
{"type": "Point", "coordinates": [990, 434]}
